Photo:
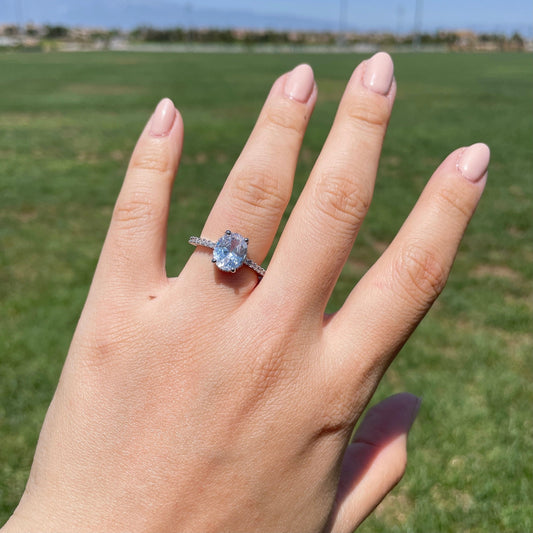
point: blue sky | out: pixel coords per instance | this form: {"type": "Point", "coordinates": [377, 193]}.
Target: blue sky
{"type": "Point", "coordinates": [504, 16]}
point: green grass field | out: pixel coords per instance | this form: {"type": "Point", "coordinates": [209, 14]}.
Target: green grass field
{"type": "Point", "coordinates": [67, 125]}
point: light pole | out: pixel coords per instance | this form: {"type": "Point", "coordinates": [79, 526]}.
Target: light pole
{"type": "Point", "coordinates": [343, 14]}
{"type": "Point", "coordinates": [418, 24]}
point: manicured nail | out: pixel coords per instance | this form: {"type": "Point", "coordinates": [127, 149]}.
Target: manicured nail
{"type": "Point", "coordinates": [163, 118]}
{"type": "Point", "coordinates": [300, 82]}
{"type": "Point", "coordinates": [474, 161]}
{"type": "Point", "coordinates": [417, 401]}
{"type": "Point", "coordinates": [379, 73]}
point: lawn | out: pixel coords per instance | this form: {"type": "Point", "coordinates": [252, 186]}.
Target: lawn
{"type": "Point", "coordinates": [67, 125]}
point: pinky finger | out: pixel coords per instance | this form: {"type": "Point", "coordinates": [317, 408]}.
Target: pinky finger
{"type": "Point", "coordinates": [375, 461]}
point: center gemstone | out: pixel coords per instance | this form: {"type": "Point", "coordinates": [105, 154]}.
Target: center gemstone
{"type": "Point", "coordinates": [229, 252]}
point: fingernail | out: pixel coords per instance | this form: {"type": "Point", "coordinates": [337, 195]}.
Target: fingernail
{"type": "Point", "coordinates": [416, 407]}
{"type": "Point", "coordinates": [163, 118]}
{"type": "Point", "coordinates": [474, 161]}
{"type": "Point", "coordinates": [300, 82]}
{"type": "Point", "coordinates": [379, 73]}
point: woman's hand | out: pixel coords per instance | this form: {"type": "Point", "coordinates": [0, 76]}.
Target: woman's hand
{"type": "Point", "coordinates": [214, 402]}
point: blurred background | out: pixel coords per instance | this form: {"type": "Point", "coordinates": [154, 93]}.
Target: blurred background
{"type": "Point", "coordinates": [477, 24]}
{"type": "Point", "coordinates": [79, 80]}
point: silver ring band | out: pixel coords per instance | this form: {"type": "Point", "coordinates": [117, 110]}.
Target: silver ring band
{"type": "Point", "coordinates": [229, 252]}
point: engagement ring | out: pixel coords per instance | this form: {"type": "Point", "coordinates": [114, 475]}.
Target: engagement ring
{"type": "Point", "coordinates": [229, 252]}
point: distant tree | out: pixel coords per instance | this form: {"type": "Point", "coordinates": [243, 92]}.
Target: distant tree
{"type": "Point", "coordinates": [517, 39]}
{"type": "Point", "coordinates": [387, 39]}
{"type": "Point", "coordinates": [427, 38]}
{"type": "Point", "coordinates": [492, 37]}
{"type": "Point", "coordinates": [225, 36]}
{"type": "Point", "coordinates": [11, 31]}
{"type": "Point", "coordinates": [448, 37]}
{"type": "Point", "coordinates": [269, 36]}
{"type": "Point", "coordinates": [32, 30]}
{"type": "Point", "coordinates": [56, 32]}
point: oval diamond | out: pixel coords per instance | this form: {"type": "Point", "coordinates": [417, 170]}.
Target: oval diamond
{"type": "Point", "coordinates": [230, 251]}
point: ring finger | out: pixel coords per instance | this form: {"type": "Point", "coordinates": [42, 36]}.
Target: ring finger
{"type": "Point", "coordinates": [259, 186]}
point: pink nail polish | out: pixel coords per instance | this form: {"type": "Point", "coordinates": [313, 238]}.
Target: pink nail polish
{"type": "Point", "coordinates": [379, 72]}
{"type": "Point", "coordinates": [416, 407]}
{"type": "Point", "coordinates": [163, 118]}
{"type": "Point", "coordinates": [474, 161]}
{"type": "Point", "coordinates": [300, 82]}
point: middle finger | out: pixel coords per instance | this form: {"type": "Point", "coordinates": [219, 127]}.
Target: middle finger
{"type": "Point", "coordinates": [322, 228]}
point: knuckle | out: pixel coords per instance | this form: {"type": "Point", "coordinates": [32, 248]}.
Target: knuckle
{"type": "Point", "coordinates": [451, 200]}
{"type": "Point", "coordinates": [132, 213]}
{"type": "Point", "coordinates": [266, 369]}
{"type": "Point", "coordinates": [259, 193]}
{"type": "Point", "coordinates": [135, 212]}
{"type": "Point", "coordinates": [105, 342]}
{"type": "Point", "coordinates": [342, 199]}
{"type": "Point", "coordinates": [269, 367]}
{"type": "Point", "coordinates": [150, 160]}
{"type": "Point", "coordinates": [337, 420]}
{"type": "Point", "coordinates": [420, 272]}
{"type": "Point", "coordinates": [335, 410]}
{"type": "Point", "coordinates": [283, 115]}
{"type": "Point", "coordinates": [369, 113]}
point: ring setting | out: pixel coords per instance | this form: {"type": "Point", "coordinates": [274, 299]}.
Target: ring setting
{"type": "Point", "coordinates": [229, 252]}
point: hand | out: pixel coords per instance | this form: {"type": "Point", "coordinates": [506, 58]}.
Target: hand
{"type": "Point", "coordinates": [215, 402]}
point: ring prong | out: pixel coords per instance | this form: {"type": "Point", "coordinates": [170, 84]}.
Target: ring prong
{"type": "Point", "coordinates": [228, 232]}
{"type": "Point", "coordinates": [246, 240]}
{"type": "Point", "coordinates": [213, 260]}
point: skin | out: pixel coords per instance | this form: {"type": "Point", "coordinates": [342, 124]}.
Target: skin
{"type": "Point", "coordinates": [212, 402]}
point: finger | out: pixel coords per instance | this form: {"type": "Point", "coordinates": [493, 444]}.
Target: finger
{"type": "Point", "coordinates": [259, 186]}
{"type": "Point", "coordinates": [375, 461]}
{"type": "Point", "coordinates": [134, 250]}
{"type": "Point", "coordinates": [393, 296]}
{"type": "Point", "coordinates": [322, 228]}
